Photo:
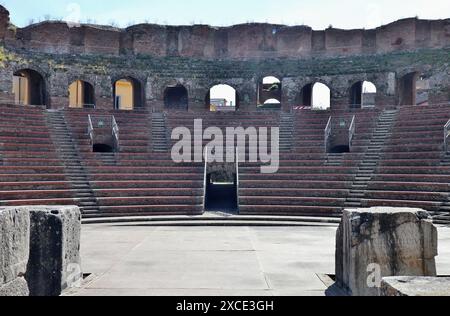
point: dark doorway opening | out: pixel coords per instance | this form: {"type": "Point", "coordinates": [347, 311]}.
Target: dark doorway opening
{"type": "Point", "coordinates": [341, 149]}
{"type": "Point", "coordinates": [356, 95]}
{"type": "Point", "coordinates": [305, 96]}
{"type": "Point", "coordinates": [176, 98]}
{"type": "Point", "coordinates": [102, 148]}
{"type": "Point", "coordinates": [221, 197]}
{"type": "Point", "coordinates": [407, 89]}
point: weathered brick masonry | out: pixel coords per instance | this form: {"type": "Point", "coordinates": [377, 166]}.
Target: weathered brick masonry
{"type": "Point", "coordinates": [200, 56]}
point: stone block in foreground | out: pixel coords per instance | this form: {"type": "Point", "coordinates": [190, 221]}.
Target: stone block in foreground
{"type": "Point", "coordinates": [55, 262]}
{"type": "Point", "coordinates": [14, 251]}
{"type": "Point", "coordinates": [415, 286]}
{"type": "Point", "coordinates": [381, 242]}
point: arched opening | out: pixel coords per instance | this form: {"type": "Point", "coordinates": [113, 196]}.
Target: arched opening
{"type": "Point", "coordinates": [362, 95]}
{"type": "Point", "coordinates": [29, 88]}
{"type": "Point", "coordinates": [321, 97]}
{"type": "Point", "coordinates": [269, 93]}
{"type": "Point", "coordinates": [414, 89]}
{"type": "Point", "coordinates": [422, 90]}
{"type": "Point", "coordinates": [176, 98]}
{"type": "Point", "coordinates": [317, 96]}
{"type": "Point", "coordinates": [305, 96]}
{"type": "Point", "coordinates": [222, 98]}
{"type": "Point", "coordinates": [81, 95]}
{"type": "Point", "coordinates": [128, 94]}
{"type": "Point", "coordinates": [102, 148]}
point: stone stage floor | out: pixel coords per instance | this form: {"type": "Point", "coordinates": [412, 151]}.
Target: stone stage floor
{"type": "Point", "coordinates": [203, 261]}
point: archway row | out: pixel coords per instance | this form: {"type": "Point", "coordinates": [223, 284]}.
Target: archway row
{"type": "Point", "coordinates": [29, 88]}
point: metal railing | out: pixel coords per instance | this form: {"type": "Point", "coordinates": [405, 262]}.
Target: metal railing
{"type": "Point", "coordinates": [103, 122]}
{"type": "Point", "coordinates": [351, 132]}
{"type": "Point", "coordinates": [205, 178]}
{"type": "Point", "coordinates": [115, 132]}
{"type": "Point", "coordinates": [446, 136]}
{"type": "Point", "coordinates": [327, 131]}
{"type": "Point", "coordinates": [237, 179]}
{"type": "Point", "coordinates": [91, 130]}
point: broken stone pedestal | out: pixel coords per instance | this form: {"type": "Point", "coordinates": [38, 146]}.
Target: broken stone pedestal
{"type": "Point", "coordinates": [415, 286]}
{"type": "Point", "coordinates": [382, 242]}
{"type": "Point", "coordinates": [55, 262]}
{"type": "Point", "coordinates": [14, 251]}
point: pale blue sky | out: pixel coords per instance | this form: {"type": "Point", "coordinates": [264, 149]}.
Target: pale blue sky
{"type": "Point", "coordinates": [319, 13]}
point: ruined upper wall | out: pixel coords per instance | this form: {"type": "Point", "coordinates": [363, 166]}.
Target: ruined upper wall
{"type": "Point", "coordinates": [246, 41]}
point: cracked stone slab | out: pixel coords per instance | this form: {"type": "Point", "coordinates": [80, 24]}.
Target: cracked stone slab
{"type": "Point", "coordinates": [415, 286]}
{"type": "Point", "coordinates": [381, 242]}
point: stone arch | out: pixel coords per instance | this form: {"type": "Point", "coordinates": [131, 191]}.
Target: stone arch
{"type": "Point", "coordinates": [224, 100]}
{"type": "Point", "coordinates": [407, 88]}
{"type": "Point", "coordinates": [413, 87]}
{"type": "Point", "coordinates": [176, 97]}
{"type": "Point", "coordinates": [30, 87]}
{"type": "Point", "coordinates": [269, 92]}
{"type": "Point", "coordinates": [81, 94]}
{"type": "Point", "coordinates": [310, 96]}
{"type": "Point", "coordinates": [128, 93]}
{"type": "Point", "coordinates": [362, 94]}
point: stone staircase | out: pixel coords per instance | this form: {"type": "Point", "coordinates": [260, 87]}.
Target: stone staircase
{"type": "Point", "coordinates": [371, 159]}
{"type": "Point", "coordinates": [74, 169]}
{"type": "Point", "coordinates": [107, 159]}
{"type": "Point", "coordinates": [334, 159]}
{"type": "Point", "coordinates": [286, 131]}
{"type": "Point", "coordinates": [446, 161]}
{"type": "Point", "coordinates": [159, 133]}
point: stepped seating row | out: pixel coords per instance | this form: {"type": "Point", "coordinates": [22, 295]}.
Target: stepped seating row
{"type": "Point", "coordinates": [136, 181]}
{"type": "Point", "coordinates": [410, 171]}
{"type": "Point", "coordinates": [31, 171]}
{"type": "Point", "coordinates": [306, 183]}
{"type": "Point", "coordinates": [134, 129]}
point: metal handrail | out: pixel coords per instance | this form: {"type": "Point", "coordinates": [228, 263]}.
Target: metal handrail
{"type": "Point", "coordinates": [351, 132]}
{"type": "Point", "coordinates": [237, 179]}
{"type": "Point", "coordinates": [327, 133]}
{"type": "Point", "coordinates": [205, 175]}
{"type": "Point", "coordinates": [90, 129]}
{"type": "Point", "coordinates": [115, 131]}
{"type": "Point", "coordinates": [446, 136]}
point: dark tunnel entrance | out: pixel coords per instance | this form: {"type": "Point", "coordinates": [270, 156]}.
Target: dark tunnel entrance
{"type": "Point", "coordinates": [102, 148]}
{"type": "Point", "coordinates": [221, 196]}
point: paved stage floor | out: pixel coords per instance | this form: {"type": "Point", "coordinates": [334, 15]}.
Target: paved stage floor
{"type": "Point", "coordinates": [197, 261]}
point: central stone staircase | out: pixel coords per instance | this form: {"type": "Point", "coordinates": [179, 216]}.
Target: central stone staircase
{"type": "Point", "coordinates": [334, 159]}
{"type": "Point", "coordinates": [446, 161]}
{"type": "Point", "coordinates": [159, 133]}
{"type": "Point", "coordinates": [371, 159]}
{"type": "Point", "coordinates": [67, 149]}
{"type": "Point", "coordinates": [286, 131]}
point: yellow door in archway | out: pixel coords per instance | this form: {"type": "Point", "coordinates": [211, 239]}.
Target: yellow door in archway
{"type": "Point", "coordinates": [124, 95]}
{"type": "Point", "coordinates": [21, 90]}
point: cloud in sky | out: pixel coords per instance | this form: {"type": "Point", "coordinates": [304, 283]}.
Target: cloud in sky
{"type": "Point", "coordinates": [318, 14]}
